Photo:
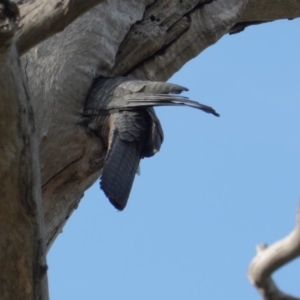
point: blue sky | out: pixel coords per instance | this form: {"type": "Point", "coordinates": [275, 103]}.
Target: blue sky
{"type": "Point", "coordinates": [218, 187]}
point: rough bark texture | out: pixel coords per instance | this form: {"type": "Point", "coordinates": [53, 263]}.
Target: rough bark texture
{"type": "Point", "coordinates": [22, 256]}
{"type": "Point", "coordinates": [269, 10]}
{"type": "Point", "coordinates": [60, 72]}
{"type": "Point", "coordinates": [150, 40]}
{"type": "Point", "coordinates": [258, 12]}
{"type": "Point", "coordinates": [41, 19]}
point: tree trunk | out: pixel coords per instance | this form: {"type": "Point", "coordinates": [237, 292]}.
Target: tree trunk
{"type": "Point", "coordinates": [22, 242]}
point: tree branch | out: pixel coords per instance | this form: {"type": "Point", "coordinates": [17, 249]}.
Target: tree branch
{"type": "Point", "coordinates": [207, 24]}
{"type": "Point", "coordinates": [269, 10]}
{"type": "Point", "coordinates": [22, 256]}
{"type": "Point", "coordinates": [148, 42]}
{"type": "Point", "coordinates": [269, 259]}
{"type": "Point", "coordinates": [43, 18]}
{"type": "Point", "coordinates": [71, 160]}
{"type": "Point", "coordinates": [260, 12]}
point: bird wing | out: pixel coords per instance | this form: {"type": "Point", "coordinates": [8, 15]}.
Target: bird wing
{"type": "Point", "coordinates": [119, 170]}
{"type": "Point", "coordinates": [129, 132]}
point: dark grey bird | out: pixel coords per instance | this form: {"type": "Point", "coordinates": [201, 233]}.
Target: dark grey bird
{"type": "Point", "coordinates": [120, 112]}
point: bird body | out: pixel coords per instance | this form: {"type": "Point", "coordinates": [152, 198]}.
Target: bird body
{"type": "Point", "coordinates": [120, 111]}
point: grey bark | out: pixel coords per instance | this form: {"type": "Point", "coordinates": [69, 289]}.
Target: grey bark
{"type": "Point", "coordinates": [147, 39]}
{"type": "Point", "coordinates": [42, 19]}
{"type": "Point", "coordinates": [271, 258]}
{"type": "Point", "coordinates": [70, 160]}
{"type": "Point", "coordinates": [22, 242]}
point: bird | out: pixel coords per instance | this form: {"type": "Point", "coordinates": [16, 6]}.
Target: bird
{"type": "Point", "coordinates": [120, 112]}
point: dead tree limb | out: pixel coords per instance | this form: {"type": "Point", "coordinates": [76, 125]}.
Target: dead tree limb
{"type": "Point", "coordinates": [62, 69]}
{"type": "Point", "coordinates": [146, 39]}
{"type": "Point", "coordinates": [269, 259]}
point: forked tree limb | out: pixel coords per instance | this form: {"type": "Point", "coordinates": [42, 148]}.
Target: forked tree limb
{"type": "Point", "coordinates": [144, 38]}
{"type": "Point", "coordinates": [269, 259]}
{"type": "Point", "coordinates": [104, 41]}
{"type": "Point", "coordinates": [67, 64]}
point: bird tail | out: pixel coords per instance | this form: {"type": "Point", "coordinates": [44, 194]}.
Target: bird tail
{"type": "Point", "coordinates": [123, 93]}
{"type": "Point", "coordinates": [119, 170]}
{"type": "Point", "coordinates": [147, 100]}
